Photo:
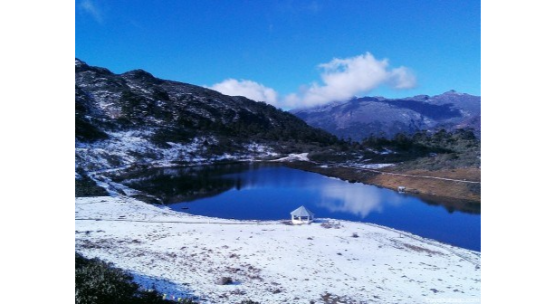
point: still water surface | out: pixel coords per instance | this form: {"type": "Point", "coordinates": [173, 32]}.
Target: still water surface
{"type": "Point", "coordinates": [272, 191]}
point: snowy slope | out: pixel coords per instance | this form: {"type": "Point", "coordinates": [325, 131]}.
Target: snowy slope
{"type": "Point", "coordinates": [270, 262]}
{"type": "Point", "coordinates": [127, 148]}
{"type": "Point", "coordinates": [136, 119]}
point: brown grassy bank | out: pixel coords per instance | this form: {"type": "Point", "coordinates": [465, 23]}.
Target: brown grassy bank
{"type": "Point", "coordinates": [451, 194]}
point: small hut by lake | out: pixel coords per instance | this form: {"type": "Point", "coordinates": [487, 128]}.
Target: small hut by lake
{"type": "Point", "coordinates": [301, 215]}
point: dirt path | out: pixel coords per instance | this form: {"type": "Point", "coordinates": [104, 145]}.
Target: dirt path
{"type": "Point", "coordinates": [419, 176]}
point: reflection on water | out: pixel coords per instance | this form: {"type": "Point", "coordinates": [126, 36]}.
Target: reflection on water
{"type": "Point", "coordinates": [271, 192]}
{"type": "Point", "coordinates": [174, 185]}
{"type": "Point", "coordinates": [356, 199]}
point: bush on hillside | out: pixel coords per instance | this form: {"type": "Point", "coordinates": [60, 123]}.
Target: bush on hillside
{"type": "Point", "coordinates": [85, 186]}
{"type": "Point", "coordinates": [99, 282]}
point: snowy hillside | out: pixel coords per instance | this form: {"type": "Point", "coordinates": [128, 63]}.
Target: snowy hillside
{"type": "Point", "coordinates": [135, 119]}
{"type": "Point", "coordinates": [227, 261]}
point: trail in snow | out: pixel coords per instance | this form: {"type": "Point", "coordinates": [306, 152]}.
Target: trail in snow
{"type": "Point", "coordinates": [420, 176]}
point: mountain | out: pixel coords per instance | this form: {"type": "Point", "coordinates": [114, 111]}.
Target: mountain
{"type": "Point", "coordinates": [134, 118]}
{"type": "Point", "coordinates": [359, 117]}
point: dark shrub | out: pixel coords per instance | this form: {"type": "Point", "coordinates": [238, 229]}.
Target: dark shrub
{"type": "Point", "coordinates": [99, 282]}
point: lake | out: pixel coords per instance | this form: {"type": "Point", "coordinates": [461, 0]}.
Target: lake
{"type": "Point", "coordinates": [262, 191]}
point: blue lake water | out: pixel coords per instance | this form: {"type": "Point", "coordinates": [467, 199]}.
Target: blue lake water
{"type": "Point", "coordinates": [271, 192]}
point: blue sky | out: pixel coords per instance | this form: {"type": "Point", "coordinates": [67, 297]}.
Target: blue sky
{"type": "Point", "coordinates": [289, 53]}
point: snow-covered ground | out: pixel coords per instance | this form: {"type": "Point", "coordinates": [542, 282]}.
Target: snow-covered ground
{"type": "Point", "coordinates": [370, 166]}
{"type": "Point", "coordinates": [293, 157]}
{"type": "Point", "coordinates": [271, 262]}
{"type": "Point", "coordinates": [128, 148]}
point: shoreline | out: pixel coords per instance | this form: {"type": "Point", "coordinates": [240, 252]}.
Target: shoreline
{"type": "Point", "coordinates": [435, 190]}
{"type": "Point", "coordinates": [269, 261]}
{"type": "Point", "coordinates": [451, 194]}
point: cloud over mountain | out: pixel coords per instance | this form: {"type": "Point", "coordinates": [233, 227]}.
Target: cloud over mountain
{"type": "Point", "coordinates": [247, 88]}
{"type": "Point", "coordinates": [341, 79]}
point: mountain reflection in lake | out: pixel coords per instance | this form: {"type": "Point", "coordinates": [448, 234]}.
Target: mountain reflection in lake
{"type": "Point", "coordinates": [271, 191]}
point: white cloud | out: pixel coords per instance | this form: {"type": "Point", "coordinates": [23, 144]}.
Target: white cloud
{"type": "Point", "coordinates": [344, 78]}
{"type": "Point", "coordinates": [341, 79]}
{"type": "Point", "coordinates": [92, 9]}
{"type": "Point", "coordinates": [247, 88]}
{"type": "Point", "coordinates": [402, 78]}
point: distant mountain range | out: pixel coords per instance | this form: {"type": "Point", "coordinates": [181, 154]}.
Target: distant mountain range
{"type": "Point", "coordinates": [359, 117]}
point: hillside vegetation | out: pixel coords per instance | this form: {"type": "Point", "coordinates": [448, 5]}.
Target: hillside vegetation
{"type": "Point", "coordinates": [99, 282]}
{"type": "Point", "coordinates": [422, 150]}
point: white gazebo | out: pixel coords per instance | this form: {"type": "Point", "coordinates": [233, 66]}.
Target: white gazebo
{"type": "Point", "coordinates": [301, 215]}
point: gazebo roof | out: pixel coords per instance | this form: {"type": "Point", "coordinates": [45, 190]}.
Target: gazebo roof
{"type": "Point", "coordinates": [302, 211]}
